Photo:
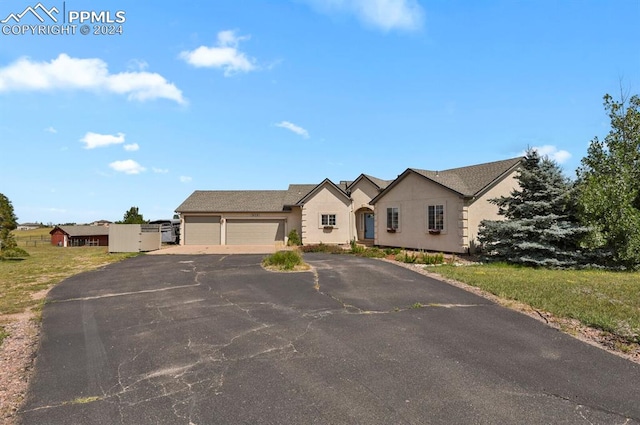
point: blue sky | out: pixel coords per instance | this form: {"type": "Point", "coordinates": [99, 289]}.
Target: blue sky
{"type": "Point", "coordinates": [251, 94]}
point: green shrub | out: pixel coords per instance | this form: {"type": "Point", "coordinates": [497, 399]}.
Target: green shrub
{"type": "Point", "coordinates": [13, 253]}
{"type": "Point", "coordinates": [331, 249]}
{"type": "Point", "coordinates": [355, 248]}
{"type": "Point", "coordinates": [407, 257]}
{"type": "Point", "coordinates": [392, 251]}
{"type": "Point", "coordinates": [373, 253]}
{"type": "Point", "coordinates": [432, 259]}
{"type": "Point", "coordinates": [284, 260]}
{"type": "Point", "coordinates": [293, 238]}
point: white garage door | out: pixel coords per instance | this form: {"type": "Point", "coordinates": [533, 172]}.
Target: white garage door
{"type": "Point", "coordinates": [254, 232]}
{"type": "Point", "coordinates": [202, 230]}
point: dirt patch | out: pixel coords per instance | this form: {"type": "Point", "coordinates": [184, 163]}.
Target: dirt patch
{"type": "Point", "coordinates": [17, 353]}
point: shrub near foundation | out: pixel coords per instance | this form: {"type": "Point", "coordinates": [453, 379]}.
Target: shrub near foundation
{"type": "Point", "coordinates": [321, 247]}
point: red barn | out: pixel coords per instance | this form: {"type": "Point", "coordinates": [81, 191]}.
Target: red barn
{"type": "Point", "coordinates": [80, 236]}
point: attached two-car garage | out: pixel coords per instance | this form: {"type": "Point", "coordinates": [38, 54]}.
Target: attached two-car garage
{"type": "Point", "coordinates": [211, 230]}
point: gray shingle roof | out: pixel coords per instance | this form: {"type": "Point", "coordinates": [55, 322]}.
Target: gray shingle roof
{"type": "Point", "coordinates": [244, 200]}
{"type": "Point", "coordinates": [471, 180]}
{"type": "Point", "coordinates": [296, 192]}
{"type": "Point", "coordinates": [379, 182]}
{"type": "Point", "coordinates": [84, 230]}
{"type": "Point", "coordinates": [233, 201]}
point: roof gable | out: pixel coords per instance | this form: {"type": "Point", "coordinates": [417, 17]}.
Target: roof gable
{"type": "Point", "coordinates": [379, 183]}
{"type": "Point", "coordinates": [320, 186]}
{"type": "Point", "coordinates": [465, 181]}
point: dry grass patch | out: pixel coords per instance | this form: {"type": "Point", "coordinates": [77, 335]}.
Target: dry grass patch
{"type": "Point", "coordinates": [23, 283]}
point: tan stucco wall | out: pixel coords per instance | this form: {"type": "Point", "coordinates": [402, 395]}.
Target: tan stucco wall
{"type": "Point", "coordinates": [294, 221]}
{"type": "Point", "coordinates": [412, 195]}
{"type": "Point", "coordinates": [327, 200]}
{"type": "Point", "coordinates": [361, 194]}
{"type": "Point", "coordinates": [482, 209]}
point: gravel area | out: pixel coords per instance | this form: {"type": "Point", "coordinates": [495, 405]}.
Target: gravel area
{"type": "Point", "coordinates": [17, 354]}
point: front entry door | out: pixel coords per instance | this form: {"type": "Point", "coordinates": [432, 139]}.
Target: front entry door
{"type": "Point", "coordinates": [368, 226]}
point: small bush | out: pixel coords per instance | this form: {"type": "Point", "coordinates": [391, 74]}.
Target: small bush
{"type": "Point", "coordinates": [13, 253]}
{"type": "Point", "coordinates": [392, 251]}
{"type": "Point", "coordinates": [284, 260]}
{"type": "Point", "coordinates": [373, 253]}
{"type": "Point", "coordinates": [407, 257]}
{"type": "Point", "coordinates": [331, 249]}
{"type": "Point", "coordinates": [293, 238]}
{"type": "Point", "coordinates": [432, 259]}
{"type": "Point", "coordinates": [355, 248]}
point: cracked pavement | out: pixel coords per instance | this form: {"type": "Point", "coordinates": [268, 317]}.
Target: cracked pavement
{"type": "Point", "coordinates": [215, 339]}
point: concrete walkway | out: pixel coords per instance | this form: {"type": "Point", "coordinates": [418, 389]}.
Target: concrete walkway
{"type": "Point", "coordinates": [218, 249]}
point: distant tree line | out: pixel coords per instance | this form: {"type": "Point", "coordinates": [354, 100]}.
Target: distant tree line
{"type": "Point", "coordinates": [551, 221]}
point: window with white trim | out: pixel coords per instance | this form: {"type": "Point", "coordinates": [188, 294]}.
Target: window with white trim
{"type": "Point", "coordinates": [393, 218]}
{"type": "Point", "coordinates": [328, 220]}
{"type": "Point", "coordinates": [435, 217]}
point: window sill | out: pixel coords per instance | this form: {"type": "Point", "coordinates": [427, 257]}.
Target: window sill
{"type": "Point", "coordinates": [434, 232]}
{"type": "Point", "coordinates": [392, 230]}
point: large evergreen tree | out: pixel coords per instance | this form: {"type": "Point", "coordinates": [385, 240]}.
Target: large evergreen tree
{"type": "Point", "coordinates": [609, 186]}
{"type": "Point", "coordinates": [540, 226]}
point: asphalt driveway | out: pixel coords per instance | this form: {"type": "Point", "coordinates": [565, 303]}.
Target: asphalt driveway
{"type": "Point", "coordinates": [216, 339]}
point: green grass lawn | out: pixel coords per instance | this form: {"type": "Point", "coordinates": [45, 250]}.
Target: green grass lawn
{"type": "Point", "coordinates": [46, 266]}
{"type": "Point", "coordinates": [601, 299]}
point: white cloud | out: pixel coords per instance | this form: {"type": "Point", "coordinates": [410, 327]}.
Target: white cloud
{"type": "Point", "coordinates": [292, 127]}
{"type": "Point", "coordinates": [51, 130]}
{"type": "Point", "coordinates": [128, 166]}
{"type": "Point", "coordinates": [95, 140]}
{"type": "Point", "coordinates": [67, 73]}
{"type": "Point", "coordinates": [185, 179]}
{"type": "Point", "coordinates": [552, 152]}
{"type": "Point", "coordinates": [160, 170]}
{"type": "Point", "coordinates": [132, 147]}
{"type": "Point", "coordinates": [386, 15]}
{"type": "Point", "coordinates": [224, 55]}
